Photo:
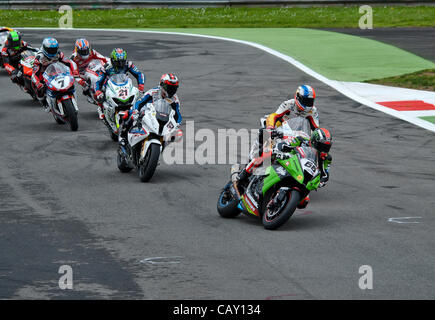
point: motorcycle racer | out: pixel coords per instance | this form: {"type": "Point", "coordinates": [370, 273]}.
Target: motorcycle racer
{"type": "Point", "coordinates": [301, 105]}
{"type": "Point", "coordinates": [11, 54]}
{"type": "Point", "coordinates": [82, 55]}
{"type": "Point", "coordinates": [321, 140]}
{"type": "Point", "coordinates": [48, 54]}
{"type": "Point", "coordinates": [166, 89]}
{"type": "Point", "coordinates": [118, 64]}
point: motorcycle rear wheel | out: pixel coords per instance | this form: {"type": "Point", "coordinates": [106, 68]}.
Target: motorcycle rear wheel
{"type": "Point", "coordinates": [274, 219]}
{"type": "Point", "coordinates": [227, 204]}
{"type": "Point", "coordinates": [122, 162]}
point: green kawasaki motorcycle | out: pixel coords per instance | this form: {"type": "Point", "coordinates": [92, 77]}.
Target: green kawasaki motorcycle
{"type": "Point", "coordinates": [272, 193]}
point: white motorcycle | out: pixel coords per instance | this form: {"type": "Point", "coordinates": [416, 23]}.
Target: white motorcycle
{"type": "Point", "coordinates": [153, 129]}
{"type": "Point", "coordinates": [120, 95]}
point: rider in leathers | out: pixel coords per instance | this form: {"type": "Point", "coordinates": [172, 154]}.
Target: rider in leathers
{"type": "Point", "coordinates": [301, 106]}
{"type": "Point", "coordinates": [166, 90]}
{"type": "Point", "coordinates": [47, 55]}
{"type": "Point", "coordinates": [82, 55]}
{"type": "Point", "coordinates": [11, 54]}
{"type": "Point", "coordinates": [118, 64]}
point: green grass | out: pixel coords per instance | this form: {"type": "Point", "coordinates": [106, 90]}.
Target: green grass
{"type": "Point", "coordinates": [239, 17]}
{"type": "Point", "coordinates": [337, 56]}
{"type": "Point", "coordinates": [429, 118]}
{"type": "Point", "coordinates": [423, 80]}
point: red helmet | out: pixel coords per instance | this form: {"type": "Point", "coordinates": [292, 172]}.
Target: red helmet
{"type": "Point", "coordinates": [169, 84]}
{"type": "Point", "coordinates": [321, 139]}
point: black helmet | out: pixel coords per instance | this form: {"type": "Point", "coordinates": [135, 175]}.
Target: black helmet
{"type": "Point", "coordinates": [321, 139]}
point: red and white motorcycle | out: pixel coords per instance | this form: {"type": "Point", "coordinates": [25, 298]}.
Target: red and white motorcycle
{"type": "Point", "coordinates": [60, 94]}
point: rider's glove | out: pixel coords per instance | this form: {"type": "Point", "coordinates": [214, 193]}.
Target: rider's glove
{"type": "Point", "coordinates": [141, 88]}
{"type": "Point", "coordinates": [81, 81]}
{"type": "Point", "coordinates": [275, 134]}
{"type": "Point", "coordinates": [99, 96]}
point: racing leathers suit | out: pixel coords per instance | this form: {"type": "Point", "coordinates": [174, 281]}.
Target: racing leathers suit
{"type": "Point", "coordinates": [83, 63]}
{"type": "Point", "coordinates": [12, 57]}
{"type": "Point", "coordinates": [149, 97]}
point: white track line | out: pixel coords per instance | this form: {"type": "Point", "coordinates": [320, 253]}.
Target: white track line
{"type": "Point", "coordinates": [332, 83]}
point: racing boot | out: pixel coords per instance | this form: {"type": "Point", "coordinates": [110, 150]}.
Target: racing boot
{"type": "Point", "coordinates": [304, 203]}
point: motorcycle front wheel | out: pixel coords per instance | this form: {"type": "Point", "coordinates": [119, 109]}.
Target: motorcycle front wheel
{"type": "Point", "coordinates": [275, 215]}
{"type": "Point", "coordinates": [71, 114]}
{"type": "Point", "coordinates": [149, 165]}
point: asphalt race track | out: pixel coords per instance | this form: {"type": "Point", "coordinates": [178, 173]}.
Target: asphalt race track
{"type": "Point", "coordinates": [63, 200]}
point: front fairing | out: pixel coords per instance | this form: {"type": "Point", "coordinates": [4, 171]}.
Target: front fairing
{"type": "Point", "coordinates": [301, 167]}
{"type": "Point", "coordinates": [159, 118]}
{"type": "Point", "coordinates": [58, 78]}
{"type": "Point", "coordinates": [120, 92]}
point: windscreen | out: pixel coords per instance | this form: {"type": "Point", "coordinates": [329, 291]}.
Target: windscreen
{"type": "Point", "coordinates": [300, 124]}
{"type": "Point", "coordinates": [162, 107]}
{"type": "Point", "coordinates": [119, 79]}
{"type": "Point", "coordinates": [308, 153]}
{"type": "Point", "coordinates": [27, 53]}
{"type": "Point", "coordinates": [57, 69]}
{"type": "Point", "coordinates": [95, 64]}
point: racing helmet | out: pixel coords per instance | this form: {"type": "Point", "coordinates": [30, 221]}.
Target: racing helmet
{"type": "Point", "coordinates": [169, 84]}
{"type": "Point", "coordinates": [83, 48]}
{"type": "Point", "coordinates": [304, 98]}
{"type": "Point", "coordinates": [321, 139]}
{"type": "Point", "coordinates": [14, 40]}
{"type": "Point", "coordinates": [50, 47]}
{"type": "Point", "coordinates": [118, 58]}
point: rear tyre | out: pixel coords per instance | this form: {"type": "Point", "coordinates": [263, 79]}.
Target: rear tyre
{"type": "Point", "coordinates": [122, 163]}
{"type": "Point", "coordinates": [147, 169]}
{"type": "Point", "coordinates": [227, 204]}
{"type": "Point", "coordinates": [71, 114]}
{"type": "Point", "coordinates": [275, 217]}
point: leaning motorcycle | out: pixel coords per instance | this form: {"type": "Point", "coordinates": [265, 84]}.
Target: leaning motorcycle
{"type": "Point", "coordinates": [272, 193]}
{"type": "Point", "coordinates": [91, 75]}
{"type": "Point", "coordinates": [120, 95]}
{"type": "Point", "coordinates": [155, 127]}
{"type": "Point", "coordinates": [25, 70]}
{"type": "Point", "coordinates": [60, 94]}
